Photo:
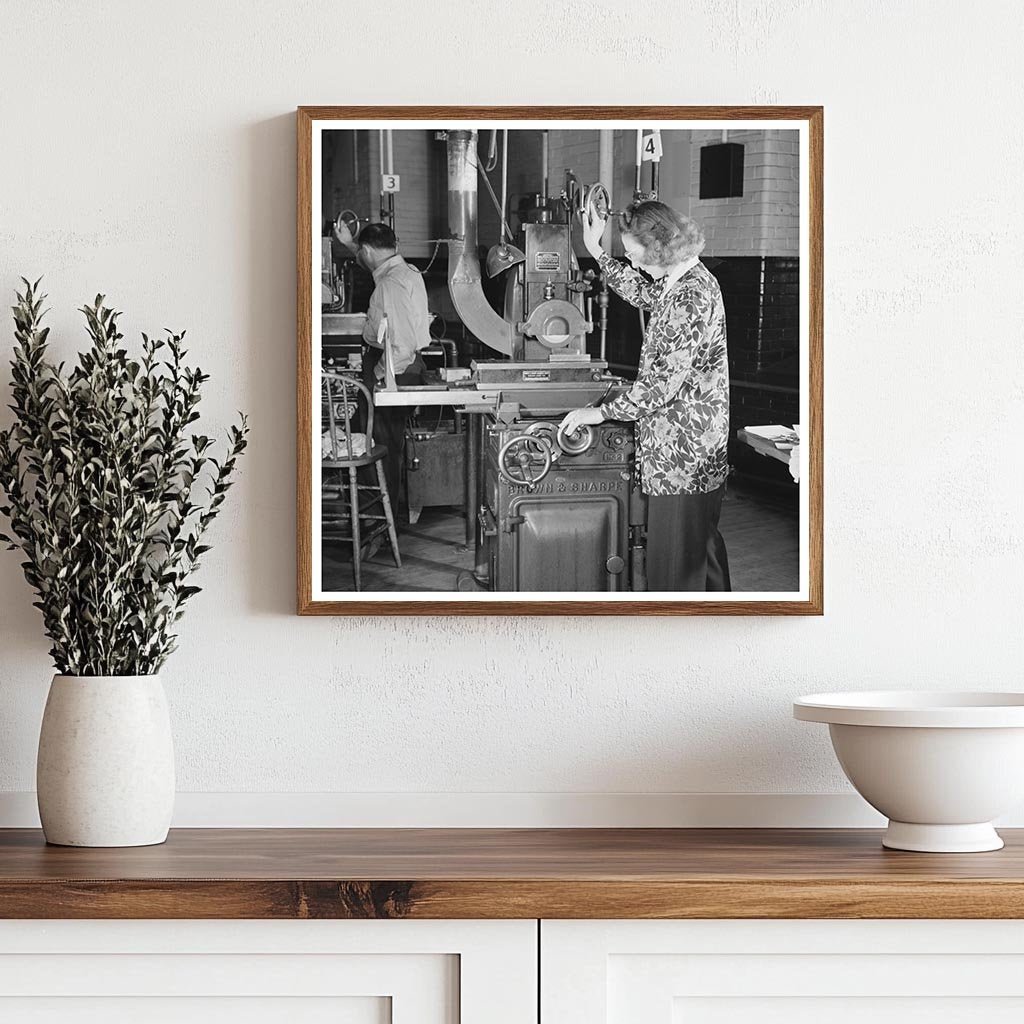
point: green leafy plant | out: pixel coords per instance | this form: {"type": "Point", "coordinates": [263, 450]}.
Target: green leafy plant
{"type": "Point", "coordinates": [108, 494]}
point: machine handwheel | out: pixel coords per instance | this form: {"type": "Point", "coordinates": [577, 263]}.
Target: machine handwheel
{"type": "Point", "coordinates": [577, 441]}
{"type": "Point", "coordinates": [548, 431]}
{"type": "Point", "coordinates": [517, 460]}
{"type": "Point", "coordinates": [351, 220]}
{"type": "Point", "coordinates": [598, 201]}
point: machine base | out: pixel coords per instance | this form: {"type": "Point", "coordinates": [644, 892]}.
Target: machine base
{"type": "Point", "coordinates": [977, 838]}
{"type": "Point", "coordinates": [469, 583]}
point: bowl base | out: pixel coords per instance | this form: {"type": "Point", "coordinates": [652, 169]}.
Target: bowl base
{"type": "Point", "coordinates": [978, 838]}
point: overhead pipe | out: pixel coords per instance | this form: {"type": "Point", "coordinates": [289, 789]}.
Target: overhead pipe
{"type": "Point", "coordinates": [503, 255]}
{"type": "Point", "coordinates": [606, 157]}
{"type": "Point", "coordinates": [464, 281]}
{"type": "Point", "coordinates": [504, 181]}
{"type": "Point", "coordinates": [380, 171]}
{"type": "Point", "coordinates": [544, 161]}
{"type": "Point", "coordinates": [606, 162]}
{"type": "Point", "coordinates": [639, 161]}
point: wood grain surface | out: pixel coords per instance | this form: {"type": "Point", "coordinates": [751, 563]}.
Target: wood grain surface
{"type": "Point", "coordinates": [813, 470]}
{"type": "Point", "coordinates": [498, 873]}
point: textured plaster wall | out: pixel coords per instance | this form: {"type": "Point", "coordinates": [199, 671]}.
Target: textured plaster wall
{"type": "Point", "coordinates": [148, 151]}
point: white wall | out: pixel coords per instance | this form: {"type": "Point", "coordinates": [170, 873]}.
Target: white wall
{"type": "Point", "coordinates": [148, 151]}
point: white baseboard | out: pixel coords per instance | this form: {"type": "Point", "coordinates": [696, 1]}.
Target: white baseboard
{"type": "Point", "coordinates": [503, 810]}
{"type": "Point", "coordinates": [496, 810]}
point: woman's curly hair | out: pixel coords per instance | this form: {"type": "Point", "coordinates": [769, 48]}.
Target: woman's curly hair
{"type": "Point", "coordinates": [667, 237]}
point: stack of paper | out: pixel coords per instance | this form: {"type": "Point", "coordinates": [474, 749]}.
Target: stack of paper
{"type": "Point", "coordinates": [784, 438]}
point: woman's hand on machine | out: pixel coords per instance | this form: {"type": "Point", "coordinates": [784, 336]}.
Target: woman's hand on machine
{"type": "Point", "coordinates": [582, 417]}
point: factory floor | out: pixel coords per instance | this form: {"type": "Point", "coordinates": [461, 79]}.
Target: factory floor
{"type": "Point", "coordinates": [760, 527]}
{"type": "Point", "coordinates": [433, 553]}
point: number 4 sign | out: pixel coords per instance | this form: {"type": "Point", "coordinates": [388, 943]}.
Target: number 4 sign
{"type": "Point", "coordinates": [393, 182]}
{"type": "Point", "coordinates": [652, 146]}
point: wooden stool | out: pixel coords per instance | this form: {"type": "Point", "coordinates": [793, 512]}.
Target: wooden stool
{"type": "Point", "coordinates": [347, 450]}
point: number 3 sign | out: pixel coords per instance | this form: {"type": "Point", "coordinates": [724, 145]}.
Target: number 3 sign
{"type": "Point", "coordinates": [390, 183]}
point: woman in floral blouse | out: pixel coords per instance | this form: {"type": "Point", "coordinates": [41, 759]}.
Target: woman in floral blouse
{"type": "Point", "coordinates": [680, 400]}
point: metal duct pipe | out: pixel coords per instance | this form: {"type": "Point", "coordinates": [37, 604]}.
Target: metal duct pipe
{"type": "Point", "coordinates": [464, 281]}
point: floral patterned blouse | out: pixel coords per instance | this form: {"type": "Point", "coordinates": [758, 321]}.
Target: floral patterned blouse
{"type": "Point", "coordinates": [680, 400]}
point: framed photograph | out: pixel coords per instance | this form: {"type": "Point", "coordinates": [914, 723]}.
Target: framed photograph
{"type": "Point", "coordinates": [560, 361]}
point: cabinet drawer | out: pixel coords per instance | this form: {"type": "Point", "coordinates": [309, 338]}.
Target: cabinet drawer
{"type": "Point", "coordinates": [251, 972]}
{"type": "Point", "coordinates": [782, 972]}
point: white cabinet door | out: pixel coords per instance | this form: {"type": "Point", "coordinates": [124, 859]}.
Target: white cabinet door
{"type": "Point", "coordinates": [257, 972]}
{"type": "Point", "coordinates": [782, 972]}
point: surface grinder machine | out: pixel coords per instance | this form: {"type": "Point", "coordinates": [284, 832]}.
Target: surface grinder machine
{"type": "Point", "coordinates": [554, 511]}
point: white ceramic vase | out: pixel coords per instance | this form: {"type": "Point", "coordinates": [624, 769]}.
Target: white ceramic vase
{"type": "Point", "coordinates": [105, 771]}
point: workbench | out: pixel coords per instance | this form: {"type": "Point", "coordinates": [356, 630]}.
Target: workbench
{"type": "Point", "coordinates": [763, 446]}
{"type": "Point", "coordinates": [458, 398]}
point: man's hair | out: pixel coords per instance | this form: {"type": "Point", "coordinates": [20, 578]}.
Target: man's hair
{"type": "Point", "coordinates": [667, 236]}
{"type": "Point", "coordinates": [378, 236]}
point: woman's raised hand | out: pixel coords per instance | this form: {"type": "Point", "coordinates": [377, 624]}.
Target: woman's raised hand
{"type": "Point", "coordinates": [593, 230]}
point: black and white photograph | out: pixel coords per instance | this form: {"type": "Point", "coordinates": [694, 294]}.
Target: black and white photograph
{"type": "Point", "coordinates": [560, 360]}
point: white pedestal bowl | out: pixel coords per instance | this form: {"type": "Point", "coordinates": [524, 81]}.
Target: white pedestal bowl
{"type": "Point", "coordinates": [939, 766]}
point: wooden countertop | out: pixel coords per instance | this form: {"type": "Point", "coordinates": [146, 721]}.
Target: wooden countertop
{"type": "Point", "coordinates": [508, 873]}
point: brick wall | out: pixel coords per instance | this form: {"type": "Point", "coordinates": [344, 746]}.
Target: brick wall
{"type": "Point", "coordinates": [420, 211]}
{"type": "Point", "coordinates": [345, 178]}
{"type": "Point", "coordinates": [763, 221]}
{"type": "Point", "coordinates": [415, 161]}
{"type": "Point", "coordinates": [523, 177]}
{"type": "Point", "coordinates": [753, 249]}
{"type": "Point", "coordinates": [762, 308]}
{"type": "Point", "coordinates": [572, 150]}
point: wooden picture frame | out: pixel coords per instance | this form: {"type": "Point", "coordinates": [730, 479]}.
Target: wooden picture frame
{"type": "Point", "coordinates": [808, 600]}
